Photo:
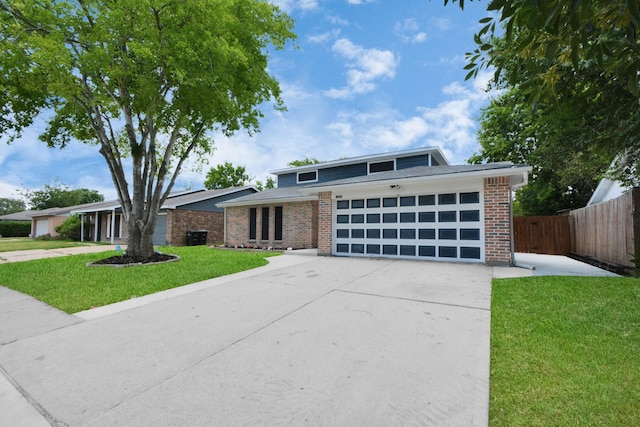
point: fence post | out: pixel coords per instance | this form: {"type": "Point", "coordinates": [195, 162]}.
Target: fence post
{"type": "Point", "coordinates": [635, 211]}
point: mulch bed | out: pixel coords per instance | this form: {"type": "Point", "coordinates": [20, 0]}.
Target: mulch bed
{"type": "Point", "coordinates": [124, 260]}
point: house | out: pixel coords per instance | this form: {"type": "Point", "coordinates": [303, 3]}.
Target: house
{"type": "Point", "coordinates": [408, 204]}
{"type": "Point", "coordinates": [181, 212]}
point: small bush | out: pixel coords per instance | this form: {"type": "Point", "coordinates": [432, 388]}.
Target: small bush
{"type": "Point", "coordinates": [70, 228]}
{"type": "Point", "coordinates": [15, 228]}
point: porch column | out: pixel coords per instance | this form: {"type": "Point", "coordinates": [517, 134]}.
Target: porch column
{"type": "Point", "coordinates": [95, 228]}
{"type": "Point", "coordinates": [113, 225]}
{"type": "Point", "coordinates": [82, 227]}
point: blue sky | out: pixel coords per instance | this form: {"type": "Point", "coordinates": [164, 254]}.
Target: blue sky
{"type": "Point", "coordinates": [368, 76]}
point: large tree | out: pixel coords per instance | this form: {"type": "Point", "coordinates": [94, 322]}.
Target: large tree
{"type": "Point", "coordinates": [553, 40]}
{"type": "Point", "coordinates": [60, 196]}
{"type": "Point", "coordinates": [10, 205]}
{"type": "Point", "coordinates": [226, 175]}
{"type": "Point", "coordinates": [141, 79]}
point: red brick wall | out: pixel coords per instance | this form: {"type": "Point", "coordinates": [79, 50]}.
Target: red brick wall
{"type": "Point", "coordinates": [180, 221]}
{"type": "Point", "coordinates": [325, 223]}
{"type": "Point", "coordinates": [497, 225]}
{"type": "Point", "coordinates": [299, 226]}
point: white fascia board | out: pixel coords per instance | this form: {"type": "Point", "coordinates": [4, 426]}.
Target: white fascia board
{"type": "Point", "coordinates": [231, 203]}
{"type": "Point", "coordinates": [521, 174]}
{"type": "Point", "coordinates": [101, 209]}
{"type": "Point", "coordinates": [363, 159]}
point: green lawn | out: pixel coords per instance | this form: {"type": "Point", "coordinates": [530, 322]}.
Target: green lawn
{"type": "Point", "coordinates": [9, 244]}
{"type": "Point", "coordinates": [66, 283]}
{"type": "Point", "coordinates": [565, 351]}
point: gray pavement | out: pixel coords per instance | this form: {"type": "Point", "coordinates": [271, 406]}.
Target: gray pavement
{"type": "Point", "coordinates": [315, 340]}
{"type": "Point", "coordinates": [31, 254]}
{"type": "Point", "coordinates": [557, 265]}
{"type": "Point", "coordinates": [304, 340]}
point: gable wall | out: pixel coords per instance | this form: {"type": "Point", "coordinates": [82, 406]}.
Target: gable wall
{"type": "Point", "coordinates": [180, 221]}
{"type": "Point", "coordinates": [210, 204]}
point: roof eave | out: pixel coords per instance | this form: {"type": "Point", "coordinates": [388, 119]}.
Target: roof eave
{"type": "Point", "coordinates": [275, 200]}
{"type": "Point", "coordinates": [518, 171]}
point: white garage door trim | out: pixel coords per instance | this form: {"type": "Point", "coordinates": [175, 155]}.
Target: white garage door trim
{"type": "Point", "coordinates": [445, 225]}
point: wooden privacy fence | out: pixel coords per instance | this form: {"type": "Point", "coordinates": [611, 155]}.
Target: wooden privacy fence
{"type": "Point", "coordinates": [609, 231]}
{"type": "Point", "coordinates": [542, 234]}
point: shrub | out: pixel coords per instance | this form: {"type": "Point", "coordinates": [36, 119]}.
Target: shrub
{"type": "Point", "coordinates": [70, 228]}
{"type": "Point", "coordinates": [15, 228]}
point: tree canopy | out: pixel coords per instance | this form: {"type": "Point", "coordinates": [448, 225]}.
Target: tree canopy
{"type": "Point", "coordinates": [141, 79]}
{"type": "Point", "coordinates": [303, 162]}
{"type": "Point", "coordinates": [269, 183]}
{"type": "Point", "coordinates": [60, 196]}
{"type": "Point", "coordinates": [225, 176]}
{"type": "Point", "coordinates": [540, 46]}
{"type": "Point", "coordinates": [10, 205]}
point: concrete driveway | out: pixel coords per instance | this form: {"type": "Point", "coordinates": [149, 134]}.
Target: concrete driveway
{"type": "Point", "coordinates": [305, 341]}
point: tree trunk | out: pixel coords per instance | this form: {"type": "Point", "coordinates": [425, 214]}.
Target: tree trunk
{"type": "Point", "coordinates": [140, 240]}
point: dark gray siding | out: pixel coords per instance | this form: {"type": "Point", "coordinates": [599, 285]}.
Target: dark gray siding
{"type": "Point", "coordinates": [350, 171]}
{"type": "Point", "coordinates": [409, 162]}
{"type": "Point", "coordinates": [160, 232]}
{"type": "Point", "coordinates": [341, 172]}
{"type": "Point", "coordinates": [287, 180]}
{"type": "Point", "coordinates": [210, 205]}
{"type": "Point", "coordinates": [434, 162]}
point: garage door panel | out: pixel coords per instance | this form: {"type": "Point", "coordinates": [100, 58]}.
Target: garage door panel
{"type": "Point", "coordinates": [443, 226]}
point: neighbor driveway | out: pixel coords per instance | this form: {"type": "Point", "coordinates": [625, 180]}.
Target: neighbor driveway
{"type": "Point", "coordinates": [307, 340]}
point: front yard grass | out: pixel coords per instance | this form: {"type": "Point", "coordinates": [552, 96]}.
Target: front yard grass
{"type": "Point", "coordinates": [66, 283]}
{"type": "Point", "coordinates": [565, 351]}
{"type": "Point", "coordinates": [10, 244]}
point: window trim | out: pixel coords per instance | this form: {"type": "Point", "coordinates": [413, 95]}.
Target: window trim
{"type": "Point", "coordinates": [315, 171]}
{"type": "Point", "coordinates": [378, 162]}
{"type": "Point", "coordinates": [253, 224]}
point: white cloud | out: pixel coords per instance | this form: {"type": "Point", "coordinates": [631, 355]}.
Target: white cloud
{"type": "Point", "coordinates": [359, 2]}
{"type": "Point", "coordinates": [365, 68]}
{"type": "Point", "coordinates": [290, 5]}
{"type": "Point", "coordinates": [324, 37]}
{"type": "Point", "coordinates": [409, 31]}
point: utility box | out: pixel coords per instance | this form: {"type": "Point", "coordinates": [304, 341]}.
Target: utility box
{"type": "Point", "coordinates": [196, 237]}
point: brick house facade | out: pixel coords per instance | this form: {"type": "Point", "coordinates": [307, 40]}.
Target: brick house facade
{"type": "Point", "coordinates": [408, 204]}
{"type": "Point", "coordinates": [180, 221]}
{"type": "Point", "coordinates": [299, 225]}
{"type": "Point", "coordinates": [497, 220]}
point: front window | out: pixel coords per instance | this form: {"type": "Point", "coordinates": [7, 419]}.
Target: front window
{"type": "Point", "coordinates": [311, 176]}
{"type": "Point", "coordinates": [388, 165]}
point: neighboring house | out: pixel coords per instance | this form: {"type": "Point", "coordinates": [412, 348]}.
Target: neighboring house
{"type": "Point", "coordinates": [181, 212]}
{"type": "Point", "coordinates": [607, 190]}
{"type": "Point", "coordinates": [17, 216]}
{"type": "Point", "coordinates": [409, 204]}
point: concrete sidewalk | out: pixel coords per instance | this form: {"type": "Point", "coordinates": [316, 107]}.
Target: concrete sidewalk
{"type": "Point", "coordinates": [33, 254]}
{"type": "Point", "coordinates": [319, 341]}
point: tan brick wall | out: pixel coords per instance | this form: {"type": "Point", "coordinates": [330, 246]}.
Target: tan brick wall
{"type": "Point", "coordinates": [497, 224]}
{"type": "Point", "coordinates": [325, 223]}
{"type": "Point", "coordinates": [179, 221]}
{"type": "Point", "coordinates": [299, 226]}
